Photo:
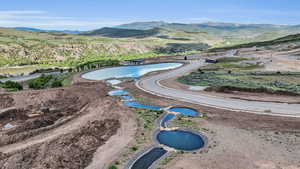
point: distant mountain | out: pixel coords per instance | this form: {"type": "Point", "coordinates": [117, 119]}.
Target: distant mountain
{"type": "Point", "coordinates": [48, 31]}
{"type": "Point", "coordinates": [142, 25]}
{"type": "Point", "coordinates": [123, 33]}
{"type": "Point", "coordinates": [209, 26]}
{"type": "Point", "coordinates": [228, 33]}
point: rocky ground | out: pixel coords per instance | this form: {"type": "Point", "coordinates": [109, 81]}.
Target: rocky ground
{"type": "Point", "coordinates": [63, 127]}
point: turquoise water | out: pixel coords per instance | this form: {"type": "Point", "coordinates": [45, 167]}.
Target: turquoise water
{"type": "Point", "coordinates": [146, 160]}
{"type": "Point", "coordinates": [114, 82]}
{"type": "Point", "coordinates": [127, 97]}
{"type": "Point", "coordinates": [165, 120]}
{"type": "Point", "coordinates": [128, 71]}
{"type": "Point", "coordinates": [180, 140]}
{"type": "Point", "coordinates": [141, 106]}
{"type": "Point", "coordinates": [184, 111]}
{"type": "Point", "coordinates": [118, 93]}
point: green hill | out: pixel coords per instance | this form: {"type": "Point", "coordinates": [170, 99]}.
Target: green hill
{"type": "Point", "coordinates": [123, 33]}
{"type": "Point", "coordinates": [136, 40]}
{"type": "Point", "coordinates": [283, 40]}
{"type": "Point", "coordinates": [229, 33]}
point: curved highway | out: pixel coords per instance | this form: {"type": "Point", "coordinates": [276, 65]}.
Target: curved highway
{"type": "Point", "coordinates": [151, 85]}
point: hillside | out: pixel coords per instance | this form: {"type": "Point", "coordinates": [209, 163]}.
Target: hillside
{"type": "Point", "coordinates": [59, 49]}
{"type": "Point", "coordinates": [136, 40]}
{"type": "Point", "coordinates": [123, 33]}
{"type": "Point", "coordinates": [295, 39]}
{"type": "Point", "coordinates": [230, 33]}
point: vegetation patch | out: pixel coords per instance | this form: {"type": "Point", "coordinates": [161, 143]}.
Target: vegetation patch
{"type": "Point", "coordinates": [169, 158]}
{"type": "Point", "coordinates": [184, 122]}
{"type": "Point", "coordinates": [172, 48]}
{"type": "Point", "coordinates": [231, 59]}
{"type": "Point", "coordinates": [271, 82]}
{"type": "Point", "coordinates": [149, 117]}
{"type": "Point", "coordinates": [236, 74]}
{"type": "Point", "coordinates": [11, 86]}
{"type": "Point", "coordinates": [50, 81]}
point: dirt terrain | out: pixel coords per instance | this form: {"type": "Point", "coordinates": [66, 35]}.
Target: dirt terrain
{"type": "Point", "coordinates": [236, 139]}
{"type": "Point", "coordinates": [81, 127]}
{"type": "Point", "coordinates": [63, 127]}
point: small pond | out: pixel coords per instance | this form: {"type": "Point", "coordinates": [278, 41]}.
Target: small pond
{"type": "Point", "coordinates": [141, 106]}
{"type": "Point", "coordinates": [184, 111]}
{"type": "Point", "coordinates": [149, 158]}
{"type": "Point", "coordinates": [180, 140]}
{"type": "Point", "coordinates": [118, 93]}
{"type": "Point", "coordinates": [165, 120]}
{"type": "Point", "coordinates": [127, 98]}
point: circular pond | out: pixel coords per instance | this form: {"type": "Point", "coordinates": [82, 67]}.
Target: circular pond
{"type": "Point", "coordinates": [180, 140]}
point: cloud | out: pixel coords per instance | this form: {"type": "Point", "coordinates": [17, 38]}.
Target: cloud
{"type": "Point", "coordinates": [42, 19]}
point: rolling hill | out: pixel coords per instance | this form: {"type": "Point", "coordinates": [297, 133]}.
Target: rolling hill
{"type": "Point", "coordinates": [230, 33]}
{"type": "Point", "coordinates": [30, 46]}
{"type": "Point", "coordinates": [123, 33]}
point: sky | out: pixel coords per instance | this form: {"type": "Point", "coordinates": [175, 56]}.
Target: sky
{"type": "Point", "coordinates": [94, 14]}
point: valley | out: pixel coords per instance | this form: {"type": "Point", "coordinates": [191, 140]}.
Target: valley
{"type": "Point", "coordinates": [151, 95]}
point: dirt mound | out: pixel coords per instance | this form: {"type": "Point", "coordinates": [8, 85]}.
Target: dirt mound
{"type": "Point", "coordinates": [36, 111]}
{"type": "Point", "coordinates": [74, 150]}
{"type": "Point", "coordinates": [6, 101]}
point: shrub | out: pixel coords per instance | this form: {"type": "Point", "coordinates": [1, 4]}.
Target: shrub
{"type": "Point", "coordinates": [14, 86]}
{"type": "Point", "coordinates": [134, 148]}
{"type": "Point", "coordinates": [113, 167]}
{"type": "Point", "coordinates": [56, 83]}
{"type": "Point", "coordinates": [40, 82]}
{"type": "Point", "coordinates": [2, 77]}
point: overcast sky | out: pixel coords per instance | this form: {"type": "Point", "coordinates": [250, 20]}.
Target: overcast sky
{"type": "Point", "coordinates": [93, 14]}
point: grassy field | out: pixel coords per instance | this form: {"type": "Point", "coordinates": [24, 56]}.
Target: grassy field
{"type": "Point", "coordinates": [233, 73]}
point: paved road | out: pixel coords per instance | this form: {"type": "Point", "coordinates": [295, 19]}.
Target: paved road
{"type": "Point", "coordinates": [26, 77]}
{"type": "Point", "coordinates": [152, 85]}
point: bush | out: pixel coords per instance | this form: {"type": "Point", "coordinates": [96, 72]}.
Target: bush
{"type": "Point", "coordinates": [12, 86]}
{"type": "Point", "coordinates": [40, 82]}
{"type": "Point", "coordinates": [134, 148]}
{"type": "Point", "coordinates": [15, 86]}
{"type": "Point", "coordinates": [56, 83]}
{"type": "Point", "coordinates": [2, 77]}
{"type": "Point", "coordinates": [113, 167]}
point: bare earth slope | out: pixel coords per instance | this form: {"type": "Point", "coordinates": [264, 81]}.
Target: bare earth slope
{"type": "Point", "coordinates": [85, 120]}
